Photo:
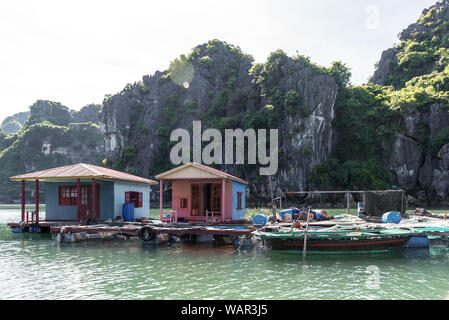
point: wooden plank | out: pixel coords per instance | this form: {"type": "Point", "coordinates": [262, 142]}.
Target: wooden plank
{"type": "Point", "coordinates": [338, 192]}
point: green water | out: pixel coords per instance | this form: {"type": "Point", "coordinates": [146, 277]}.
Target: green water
{"type": "Point", "coordinates": [35, 267]}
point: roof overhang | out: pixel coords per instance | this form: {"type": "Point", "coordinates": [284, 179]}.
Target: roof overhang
{"type": "Point", "coordinates": [85, 178]}
{"type": "Point", "coordinates": [83, 172]}
{"type": "Point", "coordinates": [194, 171]}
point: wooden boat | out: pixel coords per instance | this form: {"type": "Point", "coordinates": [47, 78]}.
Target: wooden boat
{"type": "Point", "coordinates": [338, 240]}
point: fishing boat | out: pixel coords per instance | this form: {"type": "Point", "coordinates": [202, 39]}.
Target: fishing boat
{"type": "Point", "coordinates": [335, 240]}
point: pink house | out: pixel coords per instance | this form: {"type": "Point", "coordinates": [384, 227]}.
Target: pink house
{"type": "Point", "coordinates": [202, 193]}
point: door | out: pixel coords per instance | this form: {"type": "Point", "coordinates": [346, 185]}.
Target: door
{"type": "Point", "coordinates": [215, 198]}
{"type": "Point", "coordinates": [195, 211]}
{"type": "Point", "coordinates": [86, 201]}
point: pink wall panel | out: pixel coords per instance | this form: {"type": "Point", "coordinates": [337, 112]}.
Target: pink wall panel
{"type": "Point", "coordinates": [228, 213]}
{"type": "Point", "coordinates": [181, 189]}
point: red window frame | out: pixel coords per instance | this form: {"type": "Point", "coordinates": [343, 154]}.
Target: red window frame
{"type": "Point", "coordinates": [134, 197]}
{"type": "Point", "coordinates": [67, 196]}
{"type": "Point", "coordinates": [183, 203]}
{"type": "Point", "coordinates": [239, 200]}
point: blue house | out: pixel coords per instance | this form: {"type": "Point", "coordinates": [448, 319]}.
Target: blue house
{"type": "Point", "coordinates": [82, 191]}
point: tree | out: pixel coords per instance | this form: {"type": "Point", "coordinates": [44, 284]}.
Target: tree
{"type": "Point", "coordinates": [341, 73]}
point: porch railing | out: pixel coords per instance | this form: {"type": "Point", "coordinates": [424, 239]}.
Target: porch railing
{"type": "Point", "coordinates": [33, 214]}
{"type": "Point", "coordinates": [213, 214]}
{"type": "Point", "coordinates": [172, 213]}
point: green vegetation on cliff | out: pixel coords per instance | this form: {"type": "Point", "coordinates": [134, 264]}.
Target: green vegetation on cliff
{"type": "Point", "coordinates": [43, 143]}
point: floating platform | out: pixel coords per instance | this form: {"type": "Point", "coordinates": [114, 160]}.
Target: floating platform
{"type": "Point", "coordinates": [40, 227]}
{"type": "Point", "coordinates": [149, 233]}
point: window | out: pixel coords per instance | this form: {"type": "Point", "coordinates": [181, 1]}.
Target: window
{"type": "Point", "coordinates": [134, 197]}
{"type": "Point", "coordinates": [183, 203]}
{"type": "Point", "coordinates": [239, 200]}
{"type": "Point", "coordinates": [67, 195]}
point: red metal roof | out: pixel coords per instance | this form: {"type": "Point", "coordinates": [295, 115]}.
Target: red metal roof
{"type": "Point", "coordinates": [82, 171]}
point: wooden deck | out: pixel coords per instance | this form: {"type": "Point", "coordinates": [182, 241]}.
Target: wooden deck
{"type": "Point", "coordinates": [132, 229]}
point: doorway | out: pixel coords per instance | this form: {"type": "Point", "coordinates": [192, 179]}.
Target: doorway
{"type": "Point", "coordinates": [86, 201]}
{"type": "Point", "coordinates": [206, 196]}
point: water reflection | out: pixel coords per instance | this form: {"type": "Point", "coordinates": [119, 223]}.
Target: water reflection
{"type": "Point", "coordinates": [36, 267]}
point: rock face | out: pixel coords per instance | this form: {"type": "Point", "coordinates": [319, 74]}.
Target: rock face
{"type": "Point", "coordinates": [385, 67]}
{"type": "Point", "coordinates": [440, 175]}
{"type": "Point", "coordinates": [218, 86]}
{"type": "Point", "coordinates": [44, 143]}
{"type": "Point", "coordinates": [89, 113]}
{"type": "Point", "coordinates": [416, 163]}
{"type": "Point", "coordinates": [14, 123]}
{"type": "Point", "coordinates": [431, 23]}
{"type": "Point", "coordinates": [405, 162]}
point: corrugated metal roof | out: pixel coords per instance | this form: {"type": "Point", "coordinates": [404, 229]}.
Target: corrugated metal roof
{"type": "Point", "coordinates": [202, 167]}
{"type": "Point", "coordinates": [82, 171]}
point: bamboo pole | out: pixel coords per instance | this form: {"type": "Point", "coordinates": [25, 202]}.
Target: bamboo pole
{"type": "Point", "coordinates": [347, 202]}
{"type": "Point", "coordinates": [402, 202]}
{"type": "Point", "coordinates": [37, 200]}
{"type": "Point", "coordinates": [304, 249]}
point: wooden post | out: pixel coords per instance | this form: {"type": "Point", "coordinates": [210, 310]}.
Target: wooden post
{"type": "Point", "coordinates": [223, 200]}
{"type": "Point", "coordinates": [304, 247]}
{"type": "Point", "coordinates": [94, 205]}
{"type": "Point", "coordinates": [271, 189]}
{"type": "Point", "coordinates": [22, 197]}
{"type": "Point", "coordinates": [160, 198]}
{"type": "Point", "coordinates": [37, 200]}
{"type": "Point", "coordinates": [364, 200]}
{"type": "Point", "coordinates": [347, 202]}
{"type": "Point", "coordinates": [78, 200]}
{"type": "Point", "coordinates": [273, 214]}
{"type": "Point", "coordinates": [402, 202]}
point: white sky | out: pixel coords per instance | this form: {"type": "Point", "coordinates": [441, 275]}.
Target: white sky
{"type": "Point", "coordinates": [75, 52]}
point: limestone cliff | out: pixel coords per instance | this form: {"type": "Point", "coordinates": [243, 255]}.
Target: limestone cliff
{"type": "Point", "coordinates": [47, 139]}
{"type": "Point", "coordinates": [417, 69]}
{"type": "Point", "coordinates": [219, 85]}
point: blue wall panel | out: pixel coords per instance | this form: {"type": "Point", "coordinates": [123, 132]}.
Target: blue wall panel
{"type": "Point", "coordinates": [238, 187]}
{"type": "Point", "coordinates": [53, 211]}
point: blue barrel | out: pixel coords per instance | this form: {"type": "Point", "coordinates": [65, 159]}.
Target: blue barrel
{"type": "Point", "coordinates": [260, 219]}
{"type": "Point", "coordinates": [128, 212]}
{"type": "Point", "coordinates": [16, 230]}
{"type": "Point", "coordinates": [418, 243]}
{"type": "Point", "coordinates": [391, 217]}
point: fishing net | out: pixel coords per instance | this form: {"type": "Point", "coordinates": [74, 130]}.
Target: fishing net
{"type": "Point", "coordinates": [377, 203]}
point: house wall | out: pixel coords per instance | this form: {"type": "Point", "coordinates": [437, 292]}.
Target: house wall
{"type": "Point", "coordinates": [53, 211]}
{"type": "Point", "coordinates": [120, 188]}
{"type": "Point", "coordinates": [238, 214]}
{"type": "Point", "coordinates": [228, 205]}
{"type": "Point", "coordinates": [182, 189]}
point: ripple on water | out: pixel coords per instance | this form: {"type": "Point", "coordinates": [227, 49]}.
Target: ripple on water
{"type": "Point", "coordinates": [35, 267]}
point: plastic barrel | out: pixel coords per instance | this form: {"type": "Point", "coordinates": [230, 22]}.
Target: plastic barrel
{"type": "Point", "coordinates": [128, 212]}
{"type": "Point", "coordinates": [260, 219]}
{"type": "Point", "coordinates": [418, 243]}
{"type": "Point", "coordinates": [16, 230]}
{"type": "Point", "coordinates": [391, 217]}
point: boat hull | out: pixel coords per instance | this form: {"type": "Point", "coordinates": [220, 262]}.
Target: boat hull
{"type": "Point", "coordinates": [337, 245]}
